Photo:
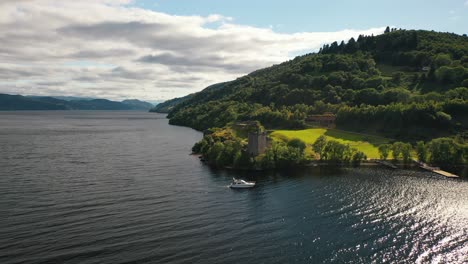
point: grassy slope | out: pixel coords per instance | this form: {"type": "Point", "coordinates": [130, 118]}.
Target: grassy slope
{"type": "Point", "coordinates": [365, 143]}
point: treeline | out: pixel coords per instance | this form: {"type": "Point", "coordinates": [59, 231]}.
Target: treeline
{"type": "Point", "coordinates": [336, 152]}
{"type": "Point", "coordinates": [219, 153]}
{"type": "Point", "coordinates": [406, 47]}
{"type": "Point", "coordinates": [223, 148]}
{"type": "Point", "coordinates": [407, 121]}
{"type": "Point", "coordinates": [440, 151]}
{"type": "Point", "coordinates": [443, 55]}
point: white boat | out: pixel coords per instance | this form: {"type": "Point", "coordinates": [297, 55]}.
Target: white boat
{"type": "Point", "coordinates": [239, 184]}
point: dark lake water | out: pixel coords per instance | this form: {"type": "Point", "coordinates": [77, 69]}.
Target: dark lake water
{"type": "Point", "coordinates": [121, 187]}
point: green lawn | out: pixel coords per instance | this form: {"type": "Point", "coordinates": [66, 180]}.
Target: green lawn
{"type": "Point", "coordinates": [365, 143]}
{"type": "Point", "coordinates": [388, 70]}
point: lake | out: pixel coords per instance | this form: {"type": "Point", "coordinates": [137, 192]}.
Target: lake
{"type": "Point", "coordinates": [121, 187]}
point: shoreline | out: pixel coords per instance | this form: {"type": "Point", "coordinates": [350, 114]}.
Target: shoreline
{"type": "Point", "coordinates": [398, 165]}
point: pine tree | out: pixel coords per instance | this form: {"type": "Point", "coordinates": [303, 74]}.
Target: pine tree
{"type": "Point", "coordinates": [352, 46]}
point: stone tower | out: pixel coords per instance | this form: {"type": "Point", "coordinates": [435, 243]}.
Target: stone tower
{"type": "Point", "coordinates": [257, 143]}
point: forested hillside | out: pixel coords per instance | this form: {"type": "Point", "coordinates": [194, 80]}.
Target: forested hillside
{"type": "Point", "coordinates": [168, 105]}
{"type": "Point", "coordinates": [404, 84]}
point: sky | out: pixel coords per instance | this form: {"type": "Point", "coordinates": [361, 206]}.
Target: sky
{"type": "Point", "coordinates": [161, 49]}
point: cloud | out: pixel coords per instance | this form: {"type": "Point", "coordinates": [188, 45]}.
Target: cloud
{"type": "Point", "coordinates": [123, 73]}
{"type": "Point", "coordinates": [207, 62]}
{"type": "Point", "coordinates": [110, 49]}
{"type": "Point", "coordinates": [104, 53]}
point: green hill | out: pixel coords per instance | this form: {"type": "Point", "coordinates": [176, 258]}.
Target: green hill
{"type": "Point", "coordinates": [403, 84]}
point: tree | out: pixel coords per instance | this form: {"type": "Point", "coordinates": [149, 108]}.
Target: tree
{"type": "Point", "coordinates": [200, 146]}
{"type": "Point", "coordinates": [368, 96]}
{"type": "Point", "coordinates": [445, 151]}
{"type": "Point", "coordinates": [465, 83]}
{"type": "Point", "coordinates": [215, 151]}
{"type": "Point", "coordinates": [341, 46]}
{"type": "Point", "coordinates": [319, 145]}
{"type": "Point", "coordinates": [406, 152]}
{"type": "Point", "coordinates": [352, 46]}
{"type": "Point", "coordinates": [413, 42]}
{"type": "Point", "coordinates": [358, 157]}
{"type": "Point", "coordinates": [397, 77]}
{"type": "Point", "coordinates": [442, 60]}
{"type": "Point", "coordinates": [336, 152]}
{"type": "Point", "coordinates": [396, 95]}
{"type": "Point", "coordinates": [447, 74]}
{"type": "Point", "coordinates": [334, 47]}
{"type": "Point", "coordinates": [297, 143]}
{"type": "Point", "coordinates": [242, 159]}
{"type": "Point", "coordinates": [421, 151]}
{"type": "Point", "coordinates": [397, 149]}
{"type": "Point", "coordinates": [387, 30]}
{"type": "Point", "coordinates": [384, 150]}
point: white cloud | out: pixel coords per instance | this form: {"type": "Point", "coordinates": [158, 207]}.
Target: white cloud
{"type": "Point", "coordinates": [109, 49]}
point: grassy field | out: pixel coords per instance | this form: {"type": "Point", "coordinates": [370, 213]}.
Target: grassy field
{"type": "Point", "coordinates": [365, 143]}
{"type": "Point", "coordinates": [388, 70]}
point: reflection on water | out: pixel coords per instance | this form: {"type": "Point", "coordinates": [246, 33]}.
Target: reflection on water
{"type": "Point", "coordinates": [119, 187]}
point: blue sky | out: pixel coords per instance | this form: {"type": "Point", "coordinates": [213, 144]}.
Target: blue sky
{"type": "Point", "coordinates": [330, 15]}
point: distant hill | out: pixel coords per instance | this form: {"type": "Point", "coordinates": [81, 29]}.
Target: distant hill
{"type": "Point", "coordinates": [409, 84]}
{"type": "Point", "coordinates": [70, 98]}
{"type": "Point", "coordinates": [156, 102]}
{"type": "Point", "coordinates": [137, 104]}
{"type": "Point", "coordinates": [97, 104]}
{"type": "Point", "coordinates": [18, 102]}
{"type": "Point", "coordinates": [168, 105]}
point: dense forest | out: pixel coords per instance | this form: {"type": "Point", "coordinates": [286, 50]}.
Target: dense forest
{"type": "Point", "coordinates": [405, 84]}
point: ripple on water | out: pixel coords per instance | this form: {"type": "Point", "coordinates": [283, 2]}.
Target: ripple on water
{"type": "Point", "coordinates": [107, 187]}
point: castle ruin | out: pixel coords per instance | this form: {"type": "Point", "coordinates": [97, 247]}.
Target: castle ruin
{"type": "Point", "coordinates": [257, 143]}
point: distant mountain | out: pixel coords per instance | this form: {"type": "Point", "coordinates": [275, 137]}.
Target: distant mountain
{"type": "Point", "coordinates": [98, 104]}
{"type": "Point", "coordinates": [18, 102]}
{"type": "Point", "coordinates": [71, 98]}
{"type": "Point", "coordinates": [137, 104]}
